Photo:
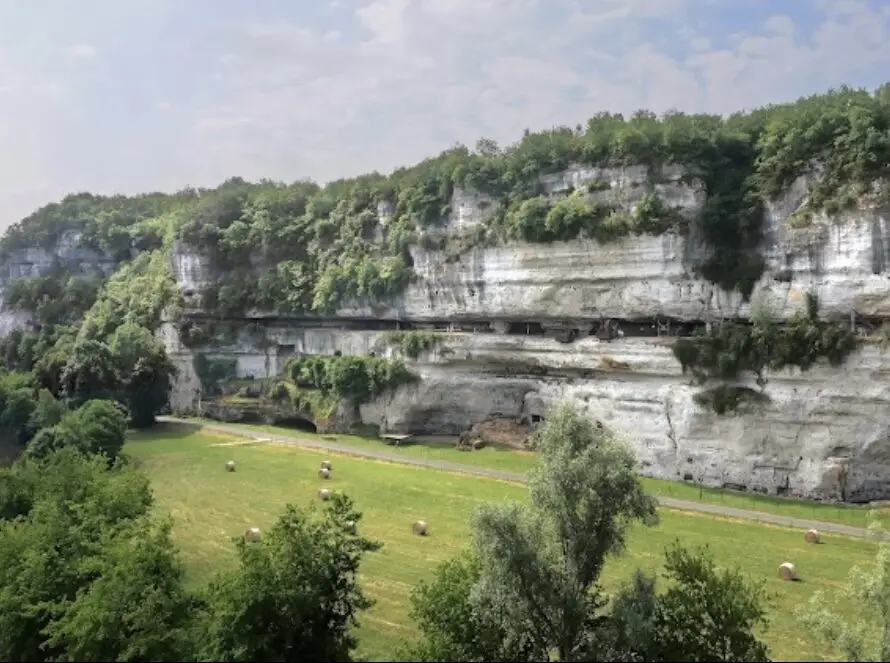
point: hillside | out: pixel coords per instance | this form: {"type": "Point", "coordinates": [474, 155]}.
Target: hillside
{"type": "Point", "coordinates": [713, 288]}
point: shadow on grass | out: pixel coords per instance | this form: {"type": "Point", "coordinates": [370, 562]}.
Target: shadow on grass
{"type": "Point", "coordinates": [169, 431]}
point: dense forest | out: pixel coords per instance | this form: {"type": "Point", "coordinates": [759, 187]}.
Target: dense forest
{"type": "Point", "coordinates": [305, 248]}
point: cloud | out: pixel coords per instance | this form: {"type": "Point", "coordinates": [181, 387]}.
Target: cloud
{"type": "Point", "coordinates": [359, 85]}
{"type": "Point", "coordinates": [82, 51]}
{"type": "Point", "coordinates": [423, 75]}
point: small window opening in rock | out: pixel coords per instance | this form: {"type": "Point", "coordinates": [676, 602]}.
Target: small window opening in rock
{"type": "Point", "coordinates": [537, 418]}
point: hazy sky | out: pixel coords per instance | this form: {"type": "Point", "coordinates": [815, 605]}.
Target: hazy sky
{"type": "Point", "coordinates": [132, 95]}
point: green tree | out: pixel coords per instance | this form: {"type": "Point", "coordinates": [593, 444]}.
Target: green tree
{"type": "Point", "coordinates": [864, 634]}
{"type": "Point", "coordinates": [146, 372]}
{"type": "Point", "coordinates": [459, 624]}
{"type": "Point", "coordinates": [706, 614]}
{"type": "Point", "coordinates": [96, 427]}
{"type": "Point", "coordinates": [91, 372]}
{"type": "Point", "coordinates": [15, 416]}
{"type": "Point", "coordinates": [48, 411]}
{"type": "Point", "coordinates": [295, 595]}
{"type": "Point", "coordinates": [540, 563]}
{"type": "Point", "coordinates": [138, 608]}
{"type": "Point", "coordinates": [62, 516]}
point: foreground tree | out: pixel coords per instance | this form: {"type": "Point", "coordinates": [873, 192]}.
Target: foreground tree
{"type": "Point", "coordinates": [867, 637]}
{"type": "Point", "coordinates": [706, 614]}
{"type": "Point", "coordinates": [85, 574]}
{"type": "Point", "coordinates": [295, 595]}
{"type": "Point", "coordinates": [539, 564]}
{"type": "Point", "coordinates": [137, 609]}
{"type": "Point", "coordinates": [528, 590]}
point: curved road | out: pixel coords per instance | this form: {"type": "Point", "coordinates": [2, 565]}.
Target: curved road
{"type": "Point", "coordinates": [671, 503]}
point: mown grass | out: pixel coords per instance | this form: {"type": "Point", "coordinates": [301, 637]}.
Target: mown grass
{"type": "Point", "coordinates": [512, 460]}
{"type": "Point", "coordinates": [210, 506]}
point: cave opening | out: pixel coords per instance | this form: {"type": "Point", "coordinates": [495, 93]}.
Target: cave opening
{"type": "Point", "coordinates": [297, 424]}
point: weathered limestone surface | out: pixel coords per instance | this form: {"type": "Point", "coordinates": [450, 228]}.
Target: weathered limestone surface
{"type": "Point", "coordinates": [67, 254]}
{"type": "Point", "coordinates": [844, 260]}
{"type": "Point", "coordinates": [816, 426]}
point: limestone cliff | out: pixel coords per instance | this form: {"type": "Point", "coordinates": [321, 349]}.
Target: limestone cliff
{"type": "Point", "coordinates": [823, 433]}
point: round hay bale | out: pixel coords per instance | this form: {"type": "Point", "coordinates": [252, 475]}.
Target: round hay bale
{"type": "Point", "coordinates": [324, 473]}
{"type": "Point", "coordinates": [812, 536]}
{"type": "Point", "coordinates": [324, 494]}
{"type": "Point", "coordinates": [326, 465]}
{"type": "Point", "coordinates": [787, 571]}
{"type": "Point", "coordinates": [230, 466]}
{"type": "Point", "coordinates": [419, 528]}
{"type": "Point", "coordinates": [252, 534]}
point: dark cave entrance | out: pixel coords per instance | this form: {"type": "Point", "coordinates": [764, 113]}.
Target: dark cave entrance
{"type": "Point", "coordinates": [297, 424]}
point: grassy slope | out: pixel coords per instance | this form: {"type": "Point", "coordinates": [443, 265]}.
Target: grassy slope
{"type": "Point", "coordinates": [209, 506]}
{"type": "Point", "coordinates": [520, 461]}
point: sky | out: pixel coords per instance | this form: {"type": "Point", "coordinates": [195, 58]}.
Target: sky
{"type": "Point", "coordinates": [123, 96]}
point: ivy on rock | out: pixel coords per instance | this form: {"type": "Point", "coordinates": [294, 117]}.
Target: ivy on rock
{"type": "Point", "coordinates": [727, 351]}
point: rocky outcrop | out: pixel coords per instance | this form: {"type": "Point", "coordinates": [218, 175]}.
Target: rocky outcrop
{"type": "Point", "coordinates": [845, 260]}
{"type": "Point", "coordinates": [67, 255]}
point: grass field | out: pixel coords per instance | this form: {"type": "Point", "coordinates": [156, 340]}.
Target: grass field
{"type": "Point", "coordinates": [209, 506]}
{"type": "Point", "coordinates": [512, 460]}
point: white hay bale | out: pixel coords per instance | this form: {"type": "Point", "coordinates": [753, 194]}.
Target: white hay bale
{"type": "Point", "coordinates": [812, 536]}
{"type": "Point", "coordinates": [324, 494]}
{"type": "Point", "coordinates": [787, 571]}
{"type": "Point", "coordinates": [326, 465]}
{"type": "Point", "coordinates": [230, 466]}
{"type": "Point", "coordinates": [252, 534]}
{"type": "Point", "coordinates": [419, 528]}
{"type": "Point", "coordinates": [324, 473]}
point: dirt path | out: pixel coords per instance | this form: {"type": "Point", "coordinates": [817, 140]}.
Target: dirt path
{"type": "Point", "coordinates": [671, 503]}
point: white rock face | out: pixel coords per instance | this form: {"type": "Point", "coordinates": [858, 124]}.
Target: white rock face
{"type": "Point", "coordinates": [823, 433]}
{"type": "Point", "coordinates": [844, 260]}
{"type": "Point", "coordinates": [37, 261]}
